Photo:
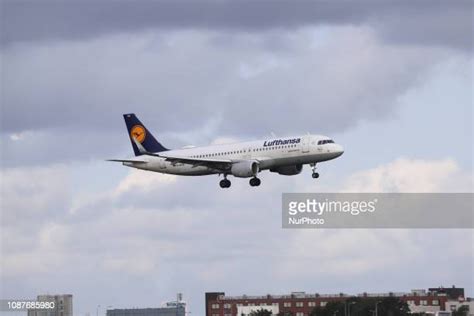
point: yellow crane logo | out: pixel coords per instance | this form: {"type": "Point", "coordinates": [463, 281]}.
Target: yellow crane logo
{"type": "Point", "coordinates": [138, 132]}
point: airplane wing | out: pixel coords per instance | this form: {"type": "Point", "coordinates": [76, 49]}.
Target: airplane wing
{"type": "Point", "coordinates": [219, 164]}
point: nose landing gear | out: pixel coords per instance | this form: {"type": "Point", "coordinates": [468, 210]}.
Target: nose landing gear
{"type": "Point", "coordinates": [315, 175]}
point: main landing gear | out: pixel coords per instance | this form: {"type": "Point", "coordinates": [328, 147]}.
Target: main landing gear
{"type": "Point", "coordinates": [225, 183]}
{"type": "Point", "coordinates": [315, 175]}
{"type": "Point", "coordinates": [255, 182]}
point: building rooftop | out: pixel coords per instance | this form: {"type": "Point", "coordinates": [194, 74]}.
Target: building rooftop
{"type": "Point", "coordinates": [304, 295]}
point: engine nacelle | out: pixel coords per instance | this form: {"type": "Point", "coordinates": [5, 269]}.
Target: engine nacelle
{"type": "Point", "coordinates": [288, 170]}
{"type": "Point", "coordinates": [245, 169]}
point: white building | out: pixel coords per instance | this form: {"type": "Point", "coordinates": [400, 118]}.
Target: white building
{"type": "Point", "coordinates": [453, 305]}
{"type": "Point", "coordinates": [423, 308]}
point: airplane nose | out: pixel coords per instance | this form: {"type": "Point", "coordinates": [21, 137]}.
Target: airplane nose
{"type": "Point", "coordinates": [340, 150]}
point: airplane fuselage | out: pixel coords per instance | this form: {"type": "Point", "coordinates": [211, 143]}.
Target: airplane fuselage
{"type": "Point", "coordinates": [270, 154]}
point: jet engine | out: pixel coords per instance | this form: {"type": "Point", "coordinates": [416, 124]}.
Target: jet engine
{"type": "Point", "coordinates": [245, 169]}
{"type": "Point", "coordinates": [288, 170]}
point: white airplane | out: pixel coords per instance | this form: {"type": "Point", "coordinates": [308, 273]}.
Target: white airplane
{"type": "Point", "coordinates": [285, 156]}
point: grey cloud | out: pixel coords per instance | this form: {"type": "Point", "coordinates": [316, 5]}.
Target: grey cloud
{"type": "Point", "coordinates": [193, 83]}
{"type": "Point", "coordinates": [442, 24]}
{"type": "Point", "coordinates": [59, 20]}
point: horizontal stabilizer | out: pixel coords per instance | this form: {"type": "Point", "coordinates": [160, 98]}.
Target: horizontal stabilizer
{"type": "Point", "coordinates": [128, 160]}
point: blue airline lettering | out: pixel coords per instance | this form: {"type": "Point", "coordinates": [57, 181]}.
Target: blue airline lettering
{"type": "Point", "coordinates": [278, 142]}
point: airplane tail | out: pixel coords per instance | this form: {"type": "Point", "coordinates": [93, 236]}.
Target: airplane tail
{"type": "Point", "coordinates": [138, 131]}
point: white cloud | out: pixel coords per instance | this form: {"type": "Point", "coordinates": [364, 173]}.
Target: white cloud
{"type": "Point", "coordinates": [149, 228]}
{"type": "Point", "coordinates": [411, 175]}
{"type": "Point", "coordinates": [16, 136]}
{"type": "Point", "coordinates": [34, 193]}
{"type": "Point", "coordinates": [143, 181]}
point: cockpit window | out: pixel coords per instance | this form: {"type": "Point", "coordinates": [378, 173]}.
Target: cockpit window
{"type": "Point", "coordinates": [325, 141]}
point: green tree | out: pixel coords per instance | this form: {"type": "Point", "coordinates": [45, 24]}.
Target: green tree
{"type": "Point", "coordinates": [461, 311]}
{"type": "Point", "coordinates": [393, 306]}
{"type": "Point", "coordinates": [261, 312]}
{"type": "Point", "coordinates": [331, 309]}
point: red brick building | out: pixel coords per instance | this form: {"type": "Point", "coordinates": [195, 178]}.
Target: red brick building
{"type": "Point", "coordinates": [301, 304]}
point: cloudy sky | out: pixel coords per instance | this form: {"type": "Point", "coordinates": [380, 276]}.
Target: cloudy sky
{"type": "Point", "coordinates": [391, 81]}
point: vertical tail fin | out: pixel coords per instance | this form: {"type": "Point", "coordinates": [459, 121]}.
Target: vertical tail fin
{"type": "Point", "coordinates": [138, 131]}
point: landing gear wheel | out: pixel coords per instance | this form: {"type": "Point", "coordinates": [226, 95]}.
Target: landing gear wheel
{"type": "Point", "coordinates": [224, 183]}
{"type": "Point", "coordinates": [315, 175]}
{"type": "Point", "coordinates": [255, 182]}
